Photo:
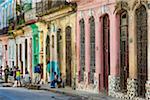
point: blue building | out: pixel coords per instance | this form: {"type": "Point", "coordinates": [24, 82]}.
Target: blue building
{"type": "Point", "coordinates": [7, 12]}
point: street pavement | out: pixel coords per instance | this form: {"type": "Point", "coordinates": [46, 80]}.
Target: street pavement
{"type": "Point", "coordinates": [8, 93]}
{"type": "Point", "coordinates": [46, 93]}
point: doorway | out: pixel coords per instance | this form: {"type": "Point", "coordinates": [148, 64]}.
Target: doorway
{"type": "Point", "coordinates": [124, 52]}
{"type": "Point", "coordinates": [68, 56]}
{"type": "Point", "coordinates": [106, 52]}
{"type": "Point", "coordinates": [141, 27]}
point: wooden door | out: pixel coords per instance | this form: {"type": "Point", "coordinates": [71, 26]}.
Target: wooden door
{"type": "Point", "coordinates": [124, 52]}
{"type": "Point", "coordinates": [82, 49]}
{"type": "Point", "coordinates": [141, 27]}
{"type": "Point", "coordinates": [106, 50]}
{"type": "Point", "coordinates": [92, 49]}
{"type": "Point", "coordinates": [68, 56]}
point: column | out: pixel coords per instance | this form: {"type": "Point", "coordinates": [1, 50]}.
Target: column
{"type": "Point", "coordinates": [114, 79]}
{"type": "Point", "coordinates": [87, 51]}
{"type": "Point", "coordinates": [132, 82]}
{"type": "Point", "coordinates": [44, 55]}
{"type": "Point", "coordinates": [23, 55]}
{"type": "Point", "coordinates": [78, 51]}
{"type": "Point", "coordinates": [98, 53]}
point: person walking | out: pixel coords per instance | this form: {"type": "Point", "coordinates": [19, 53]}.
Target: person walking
{"type": "Point", "coordinates": [6, 72]}
{"type": "Point", "coordinates": [27, 78]}
{"type": "Point", "coordinates": [14, 73]}
{"type": "Point", "coordinates": [18, 77]}
{"type": "Point", "coordinates": [11, 75]}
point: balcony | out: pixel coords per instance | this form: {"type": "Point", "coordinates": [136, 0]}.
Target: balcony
{"type": "Point", "coordinates": [47, 6]}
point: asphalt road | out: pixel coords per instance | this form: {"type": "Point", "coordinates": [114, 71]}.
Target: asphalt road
{"type": "Point", "coordinates": [8, 93]}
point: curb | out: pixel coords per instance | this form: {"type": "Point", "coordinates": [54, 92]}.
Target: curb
{"type": "Point", "coordinates": [65, 93]}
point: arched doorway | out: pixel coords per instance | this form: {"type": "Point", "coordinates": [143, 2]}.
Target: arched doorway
{"type": "Point", "coordinates": [47, 48]}
{"type": "Point", "coordinates": [124, 52]}
{"type": "Point", "coordinates": [92, 49]}
{"type": "Point", "coordinates": [59, 54]}
{"type": "Point", "coordinates": [26, 55]}
{"type": "Point", "coordinates": [106, 51]}
{"type": "Point", "coordinates": [68, 55]}
{"type": "Point", "coordinates": [47, 52]}
{"type": "Point", "coordinates": [82, 49]}
{"type": "Point", "coordinates": [141, 36]}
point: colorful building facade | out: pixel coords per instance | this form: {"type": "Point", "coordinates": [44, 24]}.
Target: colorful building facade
{"type": "Point", "coordinates": [95, 51]}
{"type": "Point", "coordinates": [112, 55]}
{"type": "Point", "coordinates": [7, 12]}
{"type": "Point", "coordinates": [132, 78]}
{"type": "Point", "coordinates": [60, 38]}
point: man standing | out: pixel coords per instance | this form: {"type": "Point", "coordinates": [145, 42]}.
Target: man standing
{"type": "Point", "coordinates": [6, 72]}
{"type": "Point", "coordinates": [37, 71]}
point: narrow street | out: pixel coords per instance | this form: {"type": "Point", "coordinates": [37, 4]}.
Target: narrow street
{"type": "Point", "coordinates": [8, 93]}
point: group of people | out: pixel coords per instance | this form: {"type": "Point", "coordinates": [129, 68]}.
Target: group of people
{"type": "Point", "coordinates": [13, 75]}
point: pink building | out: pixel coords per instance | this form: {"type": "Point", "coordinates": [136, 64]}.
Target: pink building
{"type": "Point", "coordinates": [109, 59]}
{"type": "Point", "coordinates": [96, 31]}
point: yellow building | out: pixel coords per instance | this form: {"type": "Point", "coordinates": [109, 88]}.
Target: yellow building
{"type": "Point", "coordinates": [60, 18]}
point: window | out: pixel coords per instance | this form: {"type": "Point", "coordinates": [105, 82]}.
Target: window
{"type": "Point", "coordinates": [82, 49]}
{"type": "Point", "coordinates": [92, 49]}
{"type": "Point", "coordinates": [52, 41]}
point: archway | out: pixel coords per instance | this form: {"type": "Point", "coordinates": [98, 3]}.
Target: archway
{"type": "Point", "coordinates": [82, 49]}
{"type": "Point", "coordinates": [92, 49]}
{"type": "Point", "coordinates": [141, 36]}
{"type": "Point", "coordinates": [68, 56]}
{"type": "Point", "coordinates": [124, 51]}
{"type": "Point", "coordinates": [106, 51]}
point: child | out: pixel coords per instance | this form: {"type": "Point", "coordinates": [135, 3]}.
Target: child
{"type": "Point", "coordinates": [18, 77]}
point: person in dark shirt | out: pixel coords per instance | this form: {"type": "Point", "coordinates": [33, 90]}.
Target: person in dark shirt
{"type": "Point", "coordinates": [6, 71]}
{"type": "Point", "coordinates": [37, 72]}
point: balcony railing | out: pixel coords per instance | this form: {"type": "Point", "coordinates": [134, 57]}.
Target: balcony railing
{"type": "Point", "coordinates": [49, 6]}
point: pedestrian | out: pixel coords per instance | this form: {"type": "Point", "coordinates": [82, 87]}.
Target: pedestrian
{"type": "Point", "coordinates": [11, 74]}
{"type": "Point", "coordinates": [1, 70]}
{"type": "Point", "coordinates": [27, 78]}
{"type": "Point", "coordinates": [14, 73]}
{"type": "Point", "coordinates": [55, 81]}
{"type": "Point", "coordinates": [6, 72]}
{"type": "Point", "coordinates": [60, 82]}
{"type": "Point", "coordinates": [18, 77]}
{"type": "Point", "coordinates": [37, 71]}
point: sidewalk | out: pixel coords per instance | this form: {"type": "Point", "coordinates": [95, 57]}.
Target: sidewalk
{"type": "Point", "coordinates": [3, 84]}
{"type": "Point", "coordinates": [1, 81]}
{"type": "Point", "coordinates": [83, 94]}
